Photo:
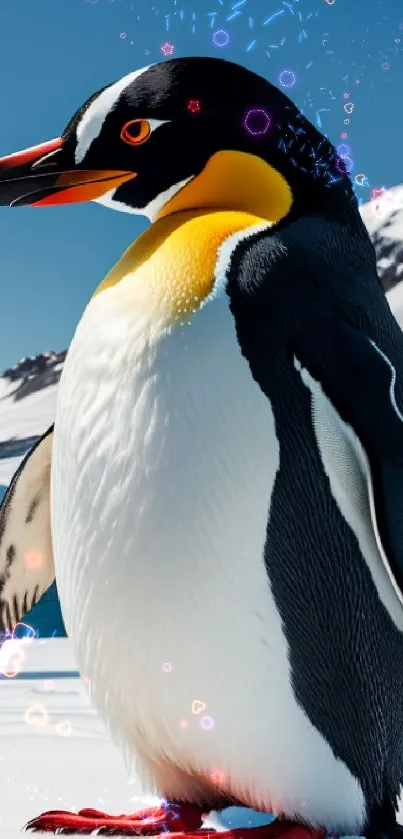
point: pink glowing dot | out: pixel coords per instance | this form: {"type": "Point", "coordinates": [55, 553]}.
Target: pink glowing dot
{"type": "Point", "coordinates": [257, 121]}
{"type": "Point", "coordinates": [34, 560]}
{"type": "Point", "coordinates": [183, 724]}
{"type": "Point", "coordinates": [343, 136]}
{"type": "Point", "coordinates": [167, 48]}
{"type": "Point", "coordinates": [167, 667]}
{"type": "Point", "coordinates": [207, 723]}
{"type": "Point", "coordinates": [217, 777]}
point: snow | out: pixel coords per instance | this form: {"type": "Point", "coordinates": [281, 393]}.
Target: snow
{"type": "Point", "coordinates": [383, 217]}
{"type": "Point", "coordinates": [25, 417]}
{"type": "Point", "coordinates": [54, 750]}
{"type": "Point", "coordinates": [385, 212]}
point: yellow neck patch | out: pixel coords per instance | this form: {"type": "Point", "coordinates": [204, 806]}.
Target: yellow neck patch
{"type": "Point", "coordinates": [170, 267]}
{"type": "Point", "coordinates": [235, 180]}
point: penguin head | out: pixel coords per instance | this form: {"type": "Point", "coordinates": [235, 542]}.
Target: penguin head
{"type": "Point", "coordinates": [186, 133]}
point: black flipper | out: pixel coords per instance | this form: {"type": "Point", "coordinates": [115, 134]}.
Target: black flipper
{"type": "Point", "coordinates": [365, 386]}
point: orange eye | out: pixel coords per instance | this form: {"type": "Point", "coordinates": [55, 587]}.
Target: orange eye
{"type": "Point", "coordinates": [135, 132]}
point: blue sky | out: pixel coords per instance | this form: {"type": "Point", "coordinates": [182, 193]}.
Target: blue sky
{"type": "Point", "coordinates": [55, 53]}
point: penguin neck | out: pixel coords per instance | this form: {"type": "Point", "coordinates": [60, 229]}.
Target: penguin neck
{"type": "Point", "coordinates": [173, 264]}
{"type": "Point", "coordinates": [234, 181]}
{"type": "Point", "coordinates": [168, 272]}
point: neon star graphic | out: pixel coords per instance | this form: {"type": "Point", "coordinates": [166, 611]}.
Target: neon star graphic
{"type": "Point", "coordinates": [167, 48]}
{"type": "Point", "coordinates": [194, 106]}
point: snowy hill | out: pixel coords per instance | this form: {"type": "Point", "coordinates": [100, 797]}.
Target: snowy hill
{"type": "Point", "coordinates": [28, 389]}
{"type": "Point", "coordinates": [383, 217]}
{"type": "Point", "coordinates": [27, 406]}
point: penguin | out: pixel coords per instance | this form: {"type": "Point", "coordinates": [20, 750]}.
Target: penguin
{"type": "Point", "coordinates": [219, 498]}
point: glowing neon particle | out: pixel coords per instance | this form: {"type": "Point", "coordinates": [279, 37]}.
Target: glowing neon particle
{"type": "Point", "coordinates": [257, 121]}
{"type": "Point", "coordinates": [343, 150]}
{"type": "Point", "coordinates": [36, 715]}
{"type": "Point", "coordinates": [194, 106]}
{"type": "Point", "coordinates": [23, 631]}
{"type": "Point", "coordinates": [287, 78]}
{"type": "Point", "coordinates": [33, 560]}
{"type": "Point", "coordinates": [221, 38]}
{"type": "Point", "coordinates": [207, 723]}
{"type": "Point", "coordinates": [378, 193]}
{"type": "Point", "coordinates": [64, 728]}
{"type": "Point", "coordinates": [217, 777]}
{"type": "Point", "coordinates": [123, 35]}
{"type": "Point", "coordinates": [343, 136]}
{"type": "Point", "coordinates": [272, 17]}
{"type": "Point", "coordinates": [14, 665]}
{"type": "Point", "coordinates": [167, 48]}
{"type": "Point", "coordinates": [197, 706]}
{"type": "Point", "coordinates": [167, 666]}
{"type": "Point", "coordinates": [345, 164]}
{"type": "Point", "coordinates": [361, 179]}
{"type": "Point", "coordinates": [183, 724]}
{"type": "Point", "coordinates": [349, 107]}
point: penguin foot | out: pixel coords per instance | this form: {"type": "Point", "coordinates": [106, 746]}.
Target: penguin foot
{"type": "Point", "coordinates": [183, 820]}
{"type": "Point", "coordinates": [166, 818]}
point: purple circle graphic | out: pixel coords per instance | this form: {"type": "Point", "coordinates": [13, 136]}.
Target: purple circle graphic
{"type": "Point", "coordinates": [257, 121]}
{"type": "Point", "coordinates": [287, 78]}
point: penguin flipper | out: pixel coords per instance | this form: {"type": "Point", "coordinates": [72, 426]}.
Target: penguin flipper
{"type": "Point", "coordinates": [364, 381]}
{"type": "Point", "coordinates": [26, 555]}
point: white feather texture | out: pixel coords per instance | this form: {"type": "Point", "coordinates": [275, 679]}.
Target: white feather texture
{"type": "Point", "coordinates": [164, 461]}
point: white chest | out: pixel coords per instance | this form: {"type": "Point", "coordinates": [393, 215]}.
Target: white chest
{"type": "Point", "coordinates": [165, 457]}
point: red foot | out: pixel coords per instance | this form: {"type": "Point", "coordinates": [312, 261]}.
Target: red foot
{"type": "Point", "coordinates": [167, 818]}
{"type": "Point", "coordinates": [182, 821]}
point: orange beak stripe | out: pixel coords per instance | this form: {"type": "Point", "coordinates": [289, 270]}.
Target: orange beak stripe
{"type": "Point", "coordinates": [85, 186]}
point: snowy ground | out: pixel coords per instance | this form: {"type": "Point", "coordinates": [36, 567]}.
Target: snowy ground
{"type": "Point", "coordinates": [54, 751]}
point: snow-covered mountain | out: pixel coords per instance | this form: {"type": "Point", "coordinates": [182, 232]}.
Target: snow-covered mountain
{"type": "Point", "coordinates": [383, 216]}
{"type": "Point", "coordinates": [28, 389]}
{"type": "Point", "coordinates": [27, 406]}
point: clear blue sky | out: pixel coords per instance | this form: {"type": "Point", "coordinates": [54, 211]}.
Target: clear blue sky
{"type": "Point", "coordinates": [55, 53]}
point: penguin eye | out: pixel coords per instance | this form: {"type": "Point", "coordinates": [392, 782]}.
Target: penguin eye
{"type": "Point", "coordinates": [135, 132]}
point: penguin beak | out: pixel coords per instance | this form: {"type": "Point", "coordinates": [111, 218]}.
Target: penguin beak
{"type": "Point", "coordinates": [37, 177]}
